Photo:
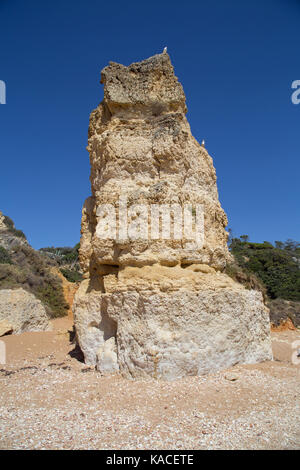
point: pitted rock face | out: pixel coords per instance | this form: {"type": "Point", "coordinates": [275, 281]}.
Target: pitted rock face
{"type": "Point", "coordinates": [22, 311]}
{"type": "Point", "coordinates": [157, 307]}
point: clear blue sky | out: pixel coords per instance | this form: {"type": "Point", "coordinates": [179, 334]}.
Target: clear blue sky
{"type": "Point", "coordinates": [236, 60]}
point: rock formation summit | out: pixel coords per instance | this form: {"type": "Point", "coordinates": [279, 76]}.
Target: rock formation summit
{"type": "Point", "coordinates": [156, 302]}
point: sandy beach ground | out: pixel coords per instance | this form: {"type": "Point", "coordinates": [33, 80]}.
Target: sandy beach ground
{"type": "Point", "coordinates": [49, 399]}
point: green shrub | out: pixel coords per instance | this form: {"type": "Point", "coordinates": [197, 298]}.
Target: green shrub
{"type": "Point", "coordinates": [71, 275]}
{"type": "Point", "coordinates": [282, 310]}
{"type": "Point", "coordinates": [276, 266]}
{"type": "Point", "coordinates": [51, 294]}
{"type": "Point", "coordinates": [4, 256]}
{"type": "Point", "coordinates": [248, 279]}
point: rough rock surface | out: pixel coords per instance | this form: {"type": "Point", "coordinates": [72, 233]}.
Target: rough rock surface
{"type": "Point", "coordinates": [2, 223]}
{"type": "Point", "coordinates": [158, 307]}
{"type": "Point", "coordinates": [22, 311]}
{"type": "Point", "coordinates": [8, 239]}
{"type": "Point", "coordinates": [5, 327]}
{"type": "Point", "coordinates": [284, 312]}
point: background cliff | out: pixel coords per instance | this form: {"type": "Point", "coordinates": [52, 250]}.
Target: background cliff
{"type": "Point", "coordinates": [41, 273]}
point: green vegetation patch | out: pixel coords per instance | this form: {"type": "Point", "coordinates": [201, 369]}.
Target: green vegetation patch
{"type": "Point", "coordinates": [278, 267]}
{"type": "Point", "coordinates": [11, 228]}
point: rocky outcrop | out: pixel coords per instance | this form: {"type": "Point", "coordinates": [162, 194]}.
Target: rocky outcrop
{"type": "Point", "coordinates": [34, 271]}
{"type": "Point", "coordinates": [141, 148]}
{"type": "Point", "coordinates": [155, 302]}
{"type": "Point", "coordinates": [9, 236]}
{"type": "Point", "coordinates": [21, 311]}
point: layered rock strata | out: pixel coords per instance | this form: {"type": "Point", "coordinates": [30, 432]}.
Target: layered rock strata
{"type": "Point", "coordinates": [156, 303]}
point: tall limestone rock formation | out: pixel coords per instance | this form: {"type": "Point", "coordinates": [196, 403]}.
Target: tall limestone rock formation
{"type": "Point", "coordinates": [156, 303]}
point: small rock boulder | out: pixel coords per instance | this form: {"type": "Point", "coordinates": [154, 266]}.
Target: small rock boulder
{"type": "Point", "coordinates": [5, 328]}
{"type": "Point", "coordinates": [21, 311]}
